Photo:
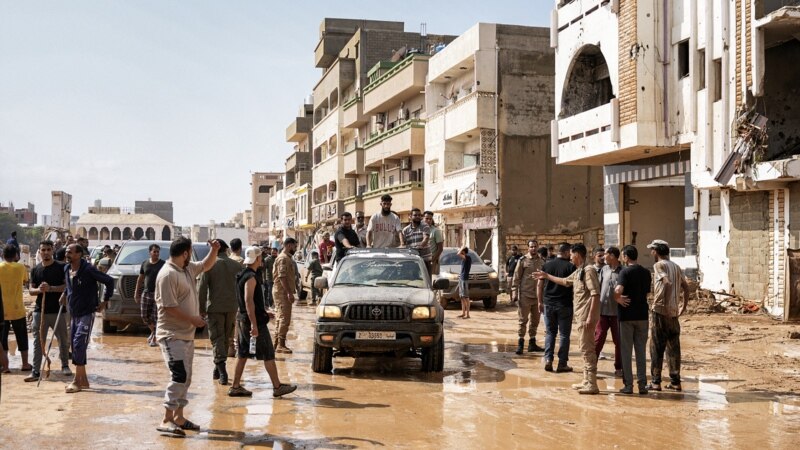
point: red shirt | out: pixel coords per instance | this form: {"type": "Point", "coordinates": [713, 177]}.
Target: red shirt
{"type": "Point", "coordinates": [325, 251]}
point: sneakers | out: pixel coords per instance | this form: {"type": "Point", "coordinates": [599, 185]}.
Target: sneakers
{"type": "Point", "coordinates": [548, 366]}
{"type": "Point", "coordinates": [281, 347]}
{"type": "Point", "coordinates": [32, 377]}
{"type": "Point", "coordinates": [563, 368]}
{"type": "Point", "coordinates": [66, 371]}
{"type": "Point", "coordinates": [283, 389]}
{"type": "Point", "coordinates": [238, 391]}
{"type": "Point", "coordinates": [628, 390]}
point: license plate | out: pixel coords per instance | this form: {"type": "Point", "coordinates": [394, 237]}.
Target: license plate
{"type": "Point", "coordinates": [376, 335]}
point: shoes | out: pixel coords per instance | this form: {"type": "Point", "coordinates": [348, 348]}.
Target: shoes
{"type": "Point", "coordinates": [628, 390]}
{"type": "Point", "coordinates": [281, 347]}
{"type": "Point", "coordinates": [238, 391]}
{"type": "Point", "coordinates": [520, 346]}
{"type": "Point", "coordinates": [654, 387]}
{"type": "Point", "coordinates": [643, 389]}
{"type": "Point", "coordinates": [66, 371]}
{"type": "Point", "coordinates": [581, 385]}
{"type": "Point", "coordinates": [532, 347]}
{"type": "Point", "coordinates": [563, 368]}
{"type": "Point", "coordinates": [31, 378]}
{"type": "Point", "coordinates": [590, 389]}
{"type": "Point", "coordinates": [618, 373]}
{"type": "Point", "coordinates": [215, 376]}
{"type": "Point", "coordinates": [673, 387]}
{"type": "Point", "coordinates": [548, 366]}
{"type": "Point", "coordinates": [223, 374]}
{"type": "Point", "coordinates": [283, 389]}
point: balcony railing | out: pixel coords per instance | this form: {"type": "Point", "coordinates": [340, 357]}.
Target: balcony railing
{"type": "Point", "coordinates": [376, 138]}
{"type": "Point", "coordinates": [588, 136]}
{"type": "Point", "coordinates": [376, 81]}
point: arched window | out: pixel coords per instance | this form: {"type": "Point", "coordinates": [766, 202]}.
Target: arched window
{"type": "Point", "coordinates": [115, 234]}
{"type": "Point", "coordinates": [166, 234]}
{"type": "Point", "coordinates": [82, 231]}
{"type": "Point", "coordinates": [263, 189]}
{"type": "Point", "coordinates": [92, 234]}
{"type": "Point", "coordinates": [588, 84]}
{"type": "Point", "coordinates": [138, 233]}
{"type": "Point", "coordinates": [150, 233]}
{"type": "Point", "coordinates": [127, 233]}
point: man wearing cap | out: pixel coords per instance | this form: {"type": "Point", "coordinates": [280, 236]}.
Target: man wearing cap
{"type": "Point", "coordinates": [252, 323]}
{"type": "Point", "coordinates": [384, 227]}
{"type": "Point", "coordinates": [665, 330]}
{"type": "Point", "coordinates": [218, 305]}
{"type": "Point", "coordinates": [285, 278]}
{"type": "Point", "coordinates": [361, 229]}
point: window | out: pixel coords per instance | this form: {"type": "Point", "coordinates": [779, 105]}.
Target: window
{"type": "Point", "coordinates": [391, 180]}
{"type": "Point", "coordinates": [472, 160]}
{"type": "Point", "coordinates": [263, 189]}
{"type": "Point", "coordinates": [717, 80]}
{"type": "Point", "coordinates": [714, 201]}
{"type": "Point", "coordinates": [701, 69]}
{"type": "Point", "coordinates": [683, 59]}
{"type": "Point", "coordinates": [433, 169]}
{"type": "Point", "coordinates": [373, 181]}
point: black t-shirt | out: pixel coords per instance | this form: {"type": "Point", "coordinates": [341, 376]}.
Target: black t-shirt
{"type": "Point", "coordinates": [466, 267]}
{"type": "Point", "coordinates": [258, 296]}
{"type": "Point", "coordinates": [511, 265]}
{"type": "Point", "coordinates": [555, 294]}
{"type": "Point", "coordinates": [150, 272]}
{"type": "Point", "coordinates": [636, 282]}
{"type": "Point", "coordinates": [343, 233]}
{"type": "Point", "coordinates": [52, 275]}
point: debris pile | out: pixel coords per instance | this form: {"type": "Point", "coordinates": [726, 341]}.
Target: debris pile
{"type": "Point", "coordinates": [751, 143]}
{"type": "Point", "coordinates": [705, 301]}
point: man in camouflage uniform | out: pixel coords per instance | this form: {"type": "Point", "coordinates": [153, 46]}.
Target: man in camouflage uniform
{"type": "Point", "coordinates": [284, 277]}
{"type": "Point", "coordinates": [525, 283]}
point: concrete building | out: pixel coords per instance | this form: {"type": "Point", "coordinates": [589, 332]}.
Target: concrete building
{"type": "Point", "coordinates": [103, 229]}
{"type": "Point", "coordinates": [61, 209]}
{"type": "Point", "coordinates": [260, 184]}
{"type": "Point", "coordinates": [298, 176]}
{"type": "Point", "coordinates": [277, 214]}
{"type": "Point", "coordinates": [162, 209]}
{"type": "Point", "coordinates": [23, 216]}
{"type": "Point", "coordinates": [488, 172]}
{"type": "Point", "coordinates": [669, 98]}
{"type": "Point", "coordinates": [361, 141]}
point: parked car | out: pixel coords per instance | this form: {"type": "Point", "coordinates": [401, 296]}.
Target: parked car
{"type": "Point", "coordinates": [123, 309]}
{"type": "Point", "coordinates": [483, 280]}
{"type": "Point", "coordinates": [302, 258]}
{"type": "Point", "coordinates": [379, 301]}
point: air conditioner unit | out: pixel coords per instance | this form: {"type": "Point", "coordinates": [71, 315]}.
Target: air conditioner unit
{"type": "Point", "coordinates": [405, 163]}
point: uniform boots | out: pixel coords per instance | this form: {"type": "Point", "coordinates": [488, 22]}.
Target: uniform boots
{"type": "Point", "coordinates": [223, 374]}
{"type": "Point", "coordinates": [591, 388]}
{"type": "Point", "coordinates": [520, 346]}
{"type": "Point", "coordinates": [281, 347]}
{"type": "Point", "coordinates": [582, 384]}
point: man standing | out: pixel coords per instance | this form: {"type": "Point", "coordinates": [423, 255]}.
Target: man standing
{"type": "Point", "coordinates": [665, 330]}
{"type": "Point", "coordinates": [631, 291]}
{"type": "Point", "coordinates": [13, 277]}
{"type": "Point", "coordinates": [599, 259]}
{"type": "Point", "coordinates": [252, 324]}
{"type": "Point", "coordinates": [285, 279]}
{"type": "Point", "coordinates": [236, 251]}
{"type": "Point", "coordinates": [47, 283]}
{"type": "Point", "coordinates": [147, 300]}
{"type": "Point", "coordinates": [586, 297]}
{"type": "Point", "coordinates": [361, 229]}
{"type": "Point", "coordinates": [526, 286]}
{"type": "Point", "coordinates": [178, 319]}
{"type": "Point", "coordinates": [218, 304]}
{"type": "Point", "coordinates": [436, 242]}
{"type": "Point", "coordinates": [463, 281]}
{"type": "Point", "coordinates": [416, 235]}
{"type": "Point", "coordinates": [345, 237]}
{"type": "Point", "coordinates": [326, 248]}
{"type": "Point", "coordinates": [608, 307]}
{"type": "Point", "coordinates": [383, 230]}
{"type": "Point", "coordinates": [314, 271]}
{"type": "Point", "coordinates": [557, 309]}
{"type": "Point", "coordinates": [511, 266]}
{"type": "Point", "coordinates": [269, 262]}
{"type": "Point", "coordinates": [83, 302]}
{"type": "Point", "coordinates": [13, 241]}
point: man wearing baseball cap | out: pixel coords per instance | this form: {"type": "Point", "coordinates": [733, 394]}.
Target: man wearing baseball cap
{"type": "Point", "coordinates": [665, 330]}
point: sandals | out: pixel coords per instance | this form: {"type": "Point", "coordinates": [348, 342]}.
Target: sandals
{"type": "Point", "coordinates": [673, 387]}
{"type": "Point", "coordinates": [72, 388]}
{"type": "Point", "coordinates": [171, 428]}
{"type": "Point", "coordinates": [189, 426]}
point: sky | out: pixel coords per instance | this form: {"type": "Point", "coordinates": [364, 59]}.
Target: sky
{"type": "Point", "coordinates": [173, 100]}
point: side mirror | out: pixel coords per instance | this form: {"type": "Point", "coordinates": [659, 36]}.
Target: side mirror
{"type": "Point", "coordinates": [441, 284]}
{"type": "Point", "coordinates": [488, 262]}
{"type": "Point", "coordinates": [321, 283]}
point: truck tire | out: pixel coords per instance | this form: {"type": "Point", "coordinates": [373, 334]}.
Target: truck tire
{"type": "Point", "coordinates": [433, 356]}
{"type": "Point", "coordinates": [323, 359]}
{"type": "Point", "coordinates": [490, 303]}
{"type": "Point", "coordinates": [108, 328]}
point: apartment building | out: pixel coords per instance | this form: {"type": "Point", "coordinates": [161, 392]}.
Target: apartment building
{"type": "Point", "coordinates": [297, 191]}
{"type": "Point", "coordinates": [277, 211]}
{"type": "Point", "coordinates": [488, 174]}
{"type": "Point", "coordinates": [260, 184]}
{"type": "Point", "coordinates": [367, 137]}
{"type": "Point", "coordinates": [689, 107]}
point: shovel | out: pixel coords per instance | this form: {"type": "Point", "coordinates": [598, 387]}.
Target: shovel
{"type": "Point", "coordinates": [44, 371]}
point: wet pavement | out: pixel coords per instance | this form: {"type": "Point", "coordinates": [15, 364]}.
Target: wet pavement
{"type": "Point", "coordinates": [487, 397]}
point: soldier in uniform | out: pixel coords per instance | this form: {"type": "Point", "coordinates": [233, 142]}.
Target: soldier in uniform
{"type": "Point", "coordinates": [284, 277]}
{"type": "Point", "coordinates": [525, 284]}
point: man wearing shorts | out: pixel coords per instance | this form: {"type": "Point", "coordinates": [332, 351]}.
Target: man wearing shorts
{"type": "Point", "coordinates": [13, 276]}
{"type": "Point", "coordinates": [147, 300]}
{"type": "Point", "coordinates": [252, 323]}
{"type": "Point", "coordinates": [463, 281]}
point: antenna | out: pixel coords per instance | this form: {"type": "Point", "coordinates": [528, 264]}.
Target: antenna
{"type": "Point", "coordinates": [423, 36]}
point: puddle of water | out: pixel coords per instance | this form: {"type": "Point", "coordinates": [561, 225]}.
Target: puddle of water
{"type": "Point", "coordinates": [786, 406]}
{"type": "Point", "coordinates": [711, 397]}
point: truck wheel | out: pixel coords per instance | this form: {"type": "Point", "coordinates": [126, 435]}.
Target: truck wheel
{"type": "Point", "coordinates": [489, 303]}
{"type": "Point", "coordinates": [323, 359]}
{"type": "Point", "coordinates": [433, 356]}
{"type": "Point", "coordinates": [108, 328]}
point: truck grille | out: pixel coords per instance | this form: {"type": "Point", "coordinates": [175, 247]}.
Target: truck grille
{"type": "Point", "coordinates": [127, 286]}
{"type": "Point", "coordinates": [376, 312]}
{"type": "Point", "coordinates": [479, 276]}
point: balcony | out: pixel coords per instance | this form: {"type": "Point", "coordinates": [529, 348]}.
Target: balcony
{"type": "Point", "coordinates": [298, 129]}
{"type": "Point", "coordinates": [404, 197]}
{"type": "Point", "coordinates": [402, 81]}
{"type": "Point", "coordinates": [354, 203]}
{"type": "Point", "coordinates": [403, 140]}
{"type": "Point", "coordinates": [463, 189]}
{"type": "Point", "coordinates": [327, 127]}
{"type": "Point", "coordinates": [328, 211]}
{"type": "Point", "coordinates": [353, 113]}
{"type": "Point", "coordinates": [326, 171]}
{"type": "Point", "coordinates": [341, 75]}
{"type": "Point", "coordinates": [354, 161]}
{"type": "Point", "coordinates": [466, 116]}
{"type": "Point", "coordinates": [298, 161]}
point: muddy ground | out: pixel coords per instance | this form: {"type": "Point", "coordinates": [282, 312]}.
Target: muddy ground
{"type": "Point", "coordinates": [741, 382]}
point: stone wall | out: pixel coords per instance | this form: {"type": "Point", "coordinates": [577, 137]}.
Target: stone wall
{"type": "Point", "coordinates": [749, 247]}
{"type": "Point", "coordinates": [627, 64]}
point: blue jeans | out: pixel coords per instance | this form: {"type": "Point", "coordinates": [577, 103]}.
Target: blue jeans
{"type": "Point", "coordinates": [557, 319]}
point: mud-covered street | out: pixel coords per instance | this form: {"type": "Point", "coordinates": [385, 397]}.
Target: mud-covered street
{"type": "Point", "coordinates": [741, 382]}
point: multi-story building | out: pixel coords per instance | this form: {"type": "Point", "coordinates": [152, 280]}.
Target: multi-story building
{"type": "Point", "coordinates": [277, 212]}
{"type": "Point", "coordinates": [297, 192]}
{"type": "Point", "coordinates": [488, 174]}
{"type": "Point", "coordinates": [260, 184]}
{"type": "Point", "coordinates": [26, 216]}
{"type": "Point", "coordinates": [162, 209]}
{"type": "Point", "coordinates": [689, 106]}
{"type": "Point", "coordinates": [362, 142]}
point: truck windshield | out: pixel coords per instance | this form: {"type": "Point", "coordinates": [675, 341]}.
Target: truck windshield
{"type": "Point", "coordinates": [380, 272]}
{"type": "Point", "coordinates": [134, 254]}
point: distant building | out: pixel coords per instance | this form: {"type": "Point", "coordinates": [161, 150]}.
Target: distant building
{"type": "Point", "coordinates": [23, 216]}
{"type": "Point", "coordinates": [61, 208]}
{"type": "Point", "coordinates": [116, 228]}
{"type": "Point", "coordinates": [260, 184]}
{"type": "Point", "coordinates": [162, 209]}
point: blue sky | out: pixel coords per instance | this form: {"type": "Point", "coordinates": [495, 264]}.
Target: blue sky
{"type": "Point", "coordinates": [173, 100]}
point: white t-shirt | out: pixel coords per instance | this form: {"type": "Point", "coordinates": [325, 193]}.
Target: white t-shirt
{"type": "Point", "coordinates": [176, 287]}
{"type": "Point", "coordinates": [384, 230]}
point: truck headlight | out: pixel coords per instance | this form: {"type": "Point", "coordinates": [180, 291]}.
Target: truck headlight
{"type": "Point", "coordinates": [493, 275]}
{"type": "Point", "coordinates": [423, 312]}
{"type": "Point", "coordinates": [329, 312]}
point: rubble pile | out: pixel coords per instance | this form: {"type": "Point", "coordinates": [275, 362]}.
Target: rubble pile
{"type": "Point", "coordinates": [704, 301]}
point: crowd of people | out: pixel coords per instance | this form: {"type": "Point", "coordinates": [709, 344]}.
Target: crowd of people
{"type": "Point", "coordinates": [234, 292]}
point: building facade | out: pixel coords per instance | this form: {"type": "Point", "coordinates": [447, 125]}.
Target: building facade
{"type": "Point", "coordinates": [103, 229]}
